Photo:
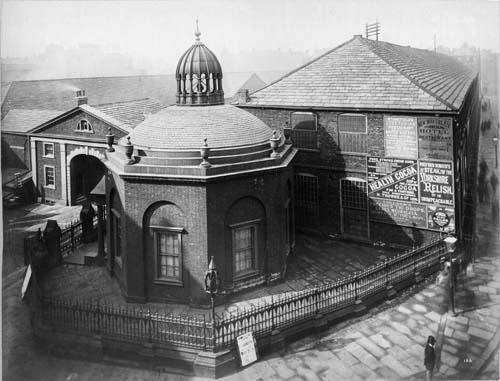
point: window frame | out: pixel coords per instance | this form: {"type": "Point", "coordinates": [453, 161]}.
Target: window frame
{"type": "Point", "coordinates": [168, 230]}
{"type": "Point", "coordinates": [44, 151]}
{"type": "Point", "coordinates": [116, 237]}
{"type": "Point", "coordinates": [365, 134]}
{"type": "Point", "coordinates": [314, 131]}
{"type": "Point", "coordinates": [307, 208]}
{"type": "Point", "coordinates": [45, 168]}
{"type": "Point", "coordinates": [253, 224]}
{"type": "Point", "coordinates": [88, 130]}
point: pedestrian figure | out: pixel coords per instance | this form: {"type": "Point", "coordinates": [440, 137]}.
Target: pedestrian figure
{"type": "Point", "coordinates": [482, 184]}
{"type": "Point", "coordinates": [429, 357]}
{"type": "Point", "coordinates": [494, 212]}
{"type": "Point", "coordinates": [494, 184]}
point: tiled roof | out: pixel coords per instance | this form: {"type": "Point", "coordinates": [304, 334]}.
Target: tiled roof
{"type": "Point", "coordinates": [369, 74]}
{"type": "Point", "coordinates": [124, 115]}
{"type": "Point", "coordinates": [59, 94]}
{"type": "Point", "coordinates": [185, 127]}
{"type": "Point", "coordinates": [24, 120]}
{"type": "Point", "coordinates": [131, 113]}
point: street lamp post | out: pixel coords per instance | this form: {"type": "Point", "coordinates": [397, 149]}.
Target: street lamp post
{"type": "Point", "coordinates": [495, 143]}
{"type": "Point", "coordinates": [212, 284]}
{"type": "Point", "coordinates": [451, 242]}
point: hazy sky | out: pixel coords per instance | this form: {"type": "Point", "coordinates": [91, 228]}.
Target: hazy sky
{"type": "Point", "coordinates": [164, 29]}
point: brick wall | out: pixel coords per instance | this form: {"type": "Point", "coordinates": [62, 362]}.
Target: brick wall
{"type": "Point", "coordinates": [204, 211]}
{"type": "Point", "coordinates": [67, 127]}
{"type": "Point", "coordinates": [330, 166]}
{"type": "Point", "coordinates": [41, 161]}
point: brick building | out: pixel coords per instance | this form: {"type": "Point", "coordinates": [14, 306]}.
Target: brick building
{"type": "Point", "coordinates": [387, 140]}
{"type": "Point", "coordinates": [195, 180]}
{"type": "Point", "coordinates": [65, 149]}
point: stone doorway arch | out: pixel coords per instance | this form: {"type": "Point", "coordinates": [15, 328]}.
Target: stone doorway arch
{"type": "Point", "coordinates": [84, 170]}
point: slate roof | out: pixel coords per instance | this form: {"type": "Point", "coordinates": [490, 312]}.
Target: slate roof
{"type": "Point", "coordinates": [131, 113]}
{"type": "Point", "coordinates": [59, 94]}
{"type": "Point", "coordinates": [185, 127]}
{"type": "Point", "coordinates": [368, 74]}
{"type": "Point", "coordinates": [124, 115]}
{"type": "Point", "coordinates": [24, 120]}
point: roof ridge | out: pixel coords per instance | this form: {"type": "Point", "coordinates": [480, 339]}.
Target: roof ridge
{"type": "Point", "coordinates": [121, 102]}
{"type": "Point", "coordinates": [306, 64]}
{"type": "Point", "coordinates": [411, 79]}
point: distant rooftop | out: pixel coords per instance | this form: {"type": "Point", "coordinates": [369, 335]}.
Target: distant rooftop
{"type": "Point", "coordinates": [125, 115]}
{"type": "Point", "coordinates": [59, 94]}
{"type": "Point", "coordinates": [363, 73]}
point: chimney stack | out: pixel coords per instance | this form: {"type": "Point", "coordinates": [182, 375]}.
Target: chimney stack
{"type": "Point", "coordinates": [243, 96]}
{"type": "Point", "coordinates": [81, 98]}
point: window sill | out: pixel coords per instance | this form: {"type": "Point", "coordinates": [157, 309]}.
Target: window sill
{"type": "Point", "coordinates": [245, 275]}
{"type": "Point", "coordinates": [307, 149]}
{"type": "Point", "coordinates": [48, 156]}
{"type": "Point", "coordinates": [168, 282]}
{"type": "Point", "coordinates": [85, 132]}
{"type": "Point", "coordinates": [353, 153]}
{"type": "Point", "coordinates": [49, 186]}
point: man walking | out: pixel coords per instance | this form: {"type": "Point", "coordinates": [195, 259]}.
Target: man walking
{"type": "Point", "coordinates": [429, 357]}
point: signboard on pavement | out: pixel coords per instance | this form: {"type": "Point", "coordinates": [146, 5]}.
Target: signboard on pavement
{"type": "Point", "coordinates": [247, 348]}
{"type": "Point", "coordinates": [26, 281]}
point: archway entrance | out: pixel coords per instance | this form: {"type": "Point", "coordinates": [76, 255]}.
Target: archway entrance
{"type": "Point", "coordinates": [86, 171]}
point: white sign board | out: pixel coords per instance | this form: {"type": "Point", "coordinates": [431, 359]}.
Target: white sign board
{"type": "Point", "coordinates": [400, 135]}
{"type": "Point", "coordinates": [26, 282]}
{"type": "Point", "coordinates": [246, 348]}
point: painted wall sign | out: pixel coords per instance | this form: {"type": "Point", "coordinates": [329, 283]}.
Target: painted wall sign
{"type": "Point", "coordinates": [400, 134]}
{"type": "Point", "coordinates": [435, 138]}
{"type": "Point", "coordinates": [436, 182]}
{"type": "Point", "coordinates": [398, 213]}
{"type": "Point", "coordinates": [441, 218]}
{"type": "Point", "coordinates": [393, 179]}
{"type": "Point", "coordinates": [247, 348]}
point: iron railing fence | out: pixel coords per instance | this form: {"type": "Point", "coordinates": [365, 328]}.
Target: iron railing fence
{"type": "Point", "coordinates": [274, 313]}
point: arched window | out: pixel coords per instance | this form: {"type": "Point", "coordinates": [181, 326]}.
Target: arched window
{"type": "Point", "coordinates": [84, 126]}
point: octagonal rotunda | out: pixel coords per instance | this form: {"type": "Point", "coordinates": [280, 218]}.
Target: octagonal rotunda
{"type": "Point", "coordinates": [196, 180]}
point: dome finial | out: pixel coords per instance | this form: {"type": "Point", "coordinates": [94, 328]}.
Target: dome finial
{"type": "Point", "coordinates": [197, 32]}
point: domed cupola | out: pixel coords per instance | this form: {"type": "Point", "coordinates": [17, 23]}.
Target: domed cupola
{"type": "Point", "coordinates": [199, 76]}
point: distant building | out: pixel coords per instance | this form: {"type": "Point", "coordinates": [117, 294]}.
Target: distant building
{"type": "Point", "coordinates": [387, 139]}
{"type": "Point", "coordinates": [195, 180]}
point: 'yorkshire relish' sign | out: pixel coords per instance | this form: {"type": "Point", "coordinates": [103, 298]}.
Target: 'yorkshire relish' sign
{"type": "Point", "coordinates": [400, 135]}
{"type": "Point", "coordinates": [436, 183]}
{"type": "Point", "coordinates": [393, 179]}
{"type": "Point", "coordinates": [435, 138]}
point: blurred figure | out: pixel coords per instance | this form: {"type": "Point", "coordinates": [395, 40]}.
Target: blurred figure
{"type": "Point", "coordinates": [481, 179]}
{"type": "Point", "coordinates": [429, 358]}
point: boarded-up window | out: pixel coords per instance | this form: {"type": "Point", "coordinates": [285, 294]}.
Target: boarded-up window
{"type": "Point", "coordinates": [304, 130]}
{"type": "Point", "coordinates": [354, 208]}
{"type": "Point", "coordinates": [307, 200]}
{"type": "Point", "coordinates": [352, 133]}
